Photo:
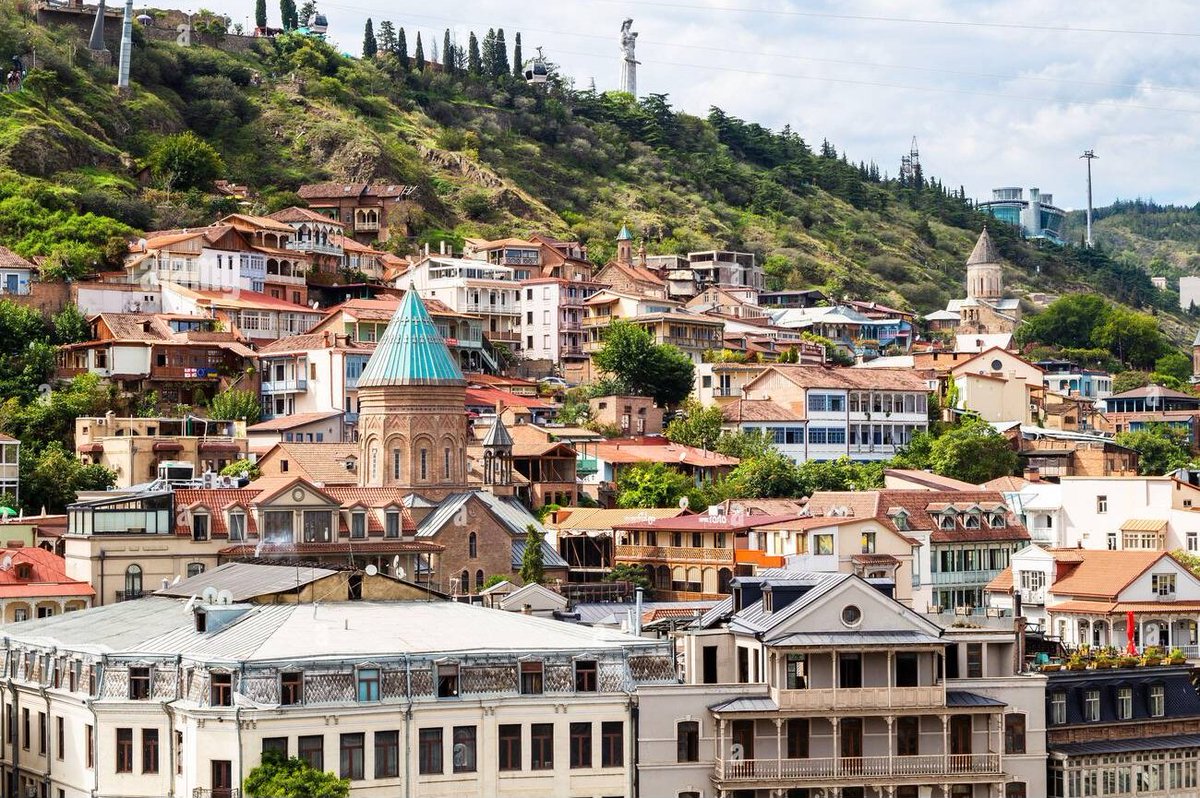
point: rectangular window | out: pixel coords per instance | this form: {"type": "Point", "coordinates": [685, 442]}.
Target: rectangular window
{"type": "Point", "coordinates": [291, 687]}
{"type": "Point", "coordinates": [1124, 703]}
{"type": "Point", "coordinates": [612, 744]}
{"type": "Point", "coordinates": [430, 751]}
{"type": "Point", "coordinates": [200, 527]}
{"type": "Point", "coordinates": [387, 754]}
{"type": "Point", "coordinates": [25, 731]}
{"type": "Point", "coordinates": [149, 750]}
{"type": "Point", "coordinates": [868, 542]}
{"type": "Point", "coordinates": [974, 660]}
{"type": "Point", "coordinates": [277, 744]}
{"type": "Point", "coordinates": [358, 525]}
{"type": "Point", "coordinates": [797, 738]}
{"type": "Point", "coordinates": [392, 530]}
{"type": "Point", "coordinates": [1091, 705]}
{"type": "Point", "coordinates": [124, 750]}
{"type": "Point", "coordinates": [531, 678]}
{"type": "Point", "coordinates": [447, 681]}
{"type": "Point", "coordinates": [581, 745]}
{"type": "Point", "coordinates": [352, 756]}
{"type": "Point", "coordinates": [823, 544]}
{"type": "Point", "coordinates": [1157, 701]}
{"type": "Point", "coordinates": [1163, 584]}
{"type": "Point", "coordinates": [1101, 505]}
{"type": "Point", "coordinates": [396, 465]}
{"type": "Point", "coordinates": [796, 674]}
{"type": "Point", "coordinates": [1014, 733]}
{"type": "Point", "coordinates": [585, 676]}
{"type": "Point", "coordinates": [510, 746]}
{"type": "Point", "coordinates": [311, 748]}
{"type": "Point", "coordinates": [221, 690]}
{"type": "Point", "coordinates": [90, 758]}
{"type": "Point", "coordinates": [316, 526]}
{"type": "Point", "coordinates": [368, 684]}
{"type": "Point", "coordinates": [1058, 708]}
{"type": "Point", "coordinates": [139, 684]}
{"type": "Point", "coordinates": [541, 746]}
{"type": "Point", "coordinates": [237, 526]}
{"type": "Point", "coordinates": [687, 741]}
{"type": "Point", "coordinates": [60, 734]}
{"type": "Point", "coordinates": [908, 736]}
{"type": "Point", "coordinates": [464, 749]}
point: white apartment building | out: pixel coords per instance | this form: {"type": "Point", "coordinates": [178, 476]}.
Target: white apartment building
{"type": "Point", "coordinates": [313, 373]}
{"type": "Point", "coordinates": [214, 258]}
{"type": "Point", "coordinates": [489, 291]}
{"type": "Point", "coordinates": [429, 699]}
{"type": "Point", "coordinates": [553, 322]}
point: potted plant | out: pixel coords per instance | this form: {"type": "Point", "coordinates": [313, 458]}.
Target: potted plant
{"type": "Point", "coordinates": [1152, 655]}
{"type": "Point", "coordinates": [1128, 661]}
{"type": "Point", "coordinates": [1176, 657]}
{"type": "Point", "coordinates": [1104, 662]}
{"type": "Point", "coordinates": [1050, 667]}
{"type": "Point", "coordinates": [1076, 662]}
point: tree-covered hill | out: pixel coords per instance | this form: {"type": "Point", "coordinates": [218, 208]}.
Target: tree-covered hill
{"type": "Point", "coordinates": [82, 168]}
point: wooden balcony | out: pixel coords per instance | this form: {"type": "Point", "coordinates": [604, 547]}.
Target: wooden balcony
{"type": "Point", "coordinates": [947, 767]}
{"type": "Point", "coordinates": [681, 554]}
{"type": "Point", "coordinates": [929, 697]}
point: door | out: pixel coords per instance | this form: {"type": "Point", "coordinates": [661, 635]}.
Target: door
{"type": "Point", "coordinates": [741, 750]}
{"type": "Point", "coordinates": [222, 778]}
{"type": "Point", "coordinates": [710, 664]}
{"type": "Point", "coordinates": [852, 745]}
{"type": "Point", "coordinates": [850, 670]}
{"type": "Point", "coordinates": [960, 742]}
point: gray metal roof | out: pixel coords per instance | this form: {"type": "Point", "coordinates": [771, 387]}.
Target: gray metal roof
{"type": "Point", "coordinates": [507, 510]}
{"type": "Point", "coordinates": [247, 580]}
{"type": "Point", "coordinates": [963, 698]}
{"type": "Point", "coordinates": [498, 434]}
{"type": "Point", "coordinates": [1121, 746]}
{"type": "Point", "coordinates": [746, 704]}
{"type": "Point", "coordinates": [853, 640]}
{"type": "Point", "coordinates": [756, 618]}
{"type": "Point", "coordinates": [550, 556]}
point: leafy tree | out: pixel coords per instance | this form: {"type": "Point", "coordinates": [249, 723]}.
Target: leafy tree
{"type": "Point", "coordinates": [533, 565]}
{"type": "Point", "coordinates": [185, 160]}
{"type": "Point", "coordinates": [1190, 560]}
{"type": "Point", "coordinates": [260, 13]}
{"type": "Point", "coordinates": [307, 11]}
{"type": "Point", "coordinates": [281, 777]}
{"type": "Point", "coordinates": [1066, 322]}
{"type": "Point", "coordinates": [51, 478]}
{"type": "Point", "coordinates": [1174, 364]}
{"type": "Point", "coordinates": [770, 476]}
{"type": "Point", "coordinates": [647, 368]}
{"type": "Point", "coordinates": [651, 485]}
{"type": "Point", "coordinates": [518, 63]}
{"type": "Point", "coordinates": [494, 580]}
{"type": "Point", "coordinates": [973, 452]}
{"type": "Point", "coordinates": [42, 84]}
{"type": "Point", "coordinates": [840, 474]}
{"type": "Point", "coordinates": [696, 425]}
{"type": "Point", "coordinates": [402, 49]}
{"type": "Point", "coordinates": [1160, 447]}
{"type": "Point", "coordinates": [1130, 380]}
{"type": "Point", "coordinates": [420, 54]}
{"type": "Point", "coordinates": [370, 46]}
{"type": "Point", "coordinates": [473, 62]}
{"type": "Point", "coordinates": [833, 353]}
{"type": "Point", "coordinates": [70, 326]}
{"type": "Point", "coordinates": [629, 572]}
{"type": "Point", "coordinates": [387, 37]}
{"type": "Point", "coordinates": [234, 404]}
{"type": "Point", "coordinates": [744, 444]}
{"type": "Point", "coordinates": [500, 59]}
{"type": "Point", "coordinates": [1133, 337]}
{"type": "Point", "coordinates": [242, 466]}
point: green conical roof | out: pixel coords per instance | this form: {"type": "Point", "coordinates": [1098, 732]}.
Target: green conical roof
{"type": "Point", "coordinates": [624, 235]}
{"type": "Point", "coordinates": [411, 351]}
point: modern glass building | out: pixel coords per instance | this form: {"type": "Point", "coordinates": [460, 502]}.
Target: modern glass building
{"type": "Point", "coordinates": [1037, 216]}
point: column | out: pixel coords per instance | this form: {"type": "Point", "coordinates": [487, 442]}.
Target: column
{"type": "Point", "coordinates": [891, 745]}
{"type": "Point", "coordinates": [837, 748]}
{"type": "Point", "coordinates": [721, 748]}
{"type": "Point", "coordinates": [946, 745]}
{"type": "Point", "coordinates": [779, 748]}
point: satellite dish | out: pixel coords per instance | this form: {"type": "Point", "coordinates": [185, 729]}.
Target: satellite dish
{"type": "Point", "coordinates": [191, 602]}
{"type": "Point", "coordinates": [372, 570]}
{"type": "Point", "coordinates": [683, 502]}
{"type": "Point", "coordinates": [209, 595]}
{"type": "Point", "coordinates": [225, 597]}
{"type": "Point", "coordinates": [178, 578]}
{"type": "Point", "coordinates": [6, 563]}
{"type": "Point", "coordinates": [399, 573]}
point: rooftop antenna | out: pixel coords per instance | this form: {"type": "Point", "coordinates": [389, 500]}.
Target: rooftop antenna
{"type": "Point", "coordinates": [1089, 156]}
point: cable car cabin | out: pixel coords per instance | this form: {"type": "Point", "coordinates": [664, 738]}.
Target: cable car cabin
{"type": "Point", "coordinates": [318, 24]}
{"type": "Point", "coordinates": [536, 72]}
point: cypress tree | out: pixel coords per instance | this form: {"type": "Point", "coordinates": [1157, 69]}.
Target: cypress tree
{"type": "Point", "coordinates": [533, 563]}
{"type": "Point", "coordinates": [447, 53]}
{"type": "Point", "coordinates": [501, 65]}
{"type": "Point", "coordinates": [419, 56]}
{"type": "Point", "coordinates": [387, 37]}
{"type": "Point", "coordinates": [287, 13]}
{"type": "Point", "coordinates": [402, 49]}
{"type": "Point", "coordinates": [473, 55]}
{"type": "Point", "coordinates": [370, 47]}
{"type": "Point", "coordinates": [488, 62]}
{"type": "Point", "coordinates": [518, 63]}
{"type": "Point", "coordinates": [260, 13]}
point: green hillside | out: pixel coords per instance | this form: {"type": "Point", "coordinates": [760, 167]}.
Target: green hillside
{"type": "Point", "coordinates": [81, 168]}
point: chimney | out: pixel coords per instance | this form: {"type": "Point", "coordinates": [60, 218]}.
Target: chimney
{"type": "Point", "coordinates": [1032, 474]}
{"type": "Point", "coordinates": [329, 339]}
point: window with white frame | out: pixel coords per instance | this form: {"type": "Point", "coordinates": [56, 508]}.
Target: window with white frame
{"type": "Point", "coordinates": [1157, 700]}
{"type": "Point", "coordinates": [1101, 505]}
{"type": "Point", "coordinates": [1124, 703]}
{"type": "Point", "coordinates": [1091, 705]}
{"type": "Point", "coordinates": [1163, 585]}
{"type": "Point", "coordinates": [1193, 541]}
{"type": "Point", "coordinates": [1058, 708]}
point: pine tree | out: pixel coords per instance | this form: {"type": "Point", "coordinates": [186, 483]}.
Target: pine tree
{"type": "Point", "coordinates": [260, 13]}
{"type": "Point", "coordinates": [501, 65]}
{"type": "Point", "coordinates": [387, 37]}
{"type": "Point", "coordinates": [447, 53]}
{"type": "Point", "coordinates": [419, 56]}
{"type": "Point", "coordinates": [518, 62]}
{"type": "Point", "coordinates": [287, 13]}
{"type": "Point", "coordinates": [402, 49]}
{"type": "Point", "coordinates": [488, 63]}
{"type": "Point", "coordinates": [370, 47]}
{"type": "Point", "coordinates": [308, 11]}
{"type": "Point", "coordinates": [533, 563]}
{"type": "Point", "coordinates": [473, 55]}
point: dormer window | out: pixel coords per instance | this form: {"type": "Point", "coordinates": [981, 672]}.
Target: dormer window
{"type": "Point", "coordinates": [901, 521]}
{"type": "Point", "coordinates": [237, 525]}
{"type": "Point", "coordinates": [24, 571]}
{"type": "Point", "coordinates": [946, 521]}
{"type": "Point", "coordinates": [971, 521]}
{"type": "Point", "coordinates": [996, 521]}
{"type": "Point", "coordinates": [200, 526]}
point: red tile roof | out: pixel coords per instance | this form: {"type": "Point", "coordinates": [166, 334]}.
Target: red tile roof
{"type": "Point", "coordinates": [47, 577]}
{"type": "Point", "coordinates": [919, 506]}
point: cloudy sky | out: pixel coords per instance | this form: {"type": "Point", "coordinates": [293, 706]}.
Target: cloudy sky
{"type": "Point", "coordinates": [997, 93]}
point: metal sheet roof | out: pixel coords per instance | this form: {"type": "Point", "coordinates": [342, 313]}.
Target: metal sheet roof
{"type": "Point", "coordinates": [411, 351]}
{"type": "Point", "coordinates": [1121, 746]}
{"type": "Point", "coordinates": [963, 698]}
{"type": "Point", "coordinates": [246, 580]}
{"type": "Point", "coordinates": [746, 704]}
{"type": "Point", "coordinates": [852, 640]}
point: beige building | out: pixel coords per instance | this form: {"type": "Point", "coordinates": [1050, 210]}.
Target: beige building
{"type": "Point", "coordinates": [138, 449]}
{"type": "Point", "coordinates": [417, 698]}
{"type": "Point", "coordinates": [632, 415]}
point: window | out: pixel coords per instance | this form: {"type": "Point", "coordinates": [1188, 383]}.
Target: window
{"type": "Point", "coordinates": [974, 660]}
{"type": "Point", "coordinates": [1091, 705]}
{"type": "Point", "coordinates": [1016, 789]}
{"type": "Point", "coordinates": [585, 676]}
{"type": "Point", "coordinates": [237, 526]}
{"type": "Point", "coordinates": [464, 749]}
{"type": "Point", "coordinates": [687, 741]}
{"type": "Point", "coordinates": [221, 689]}
{"type": "Point", "coordinates": [90, 758]}
{"type": "Point", "coordinates": [908, 736]}
{"type": "Point", "coordinates": [387, 754]}
{"type": "Point", "coordinates": [823, 544]}
{"type": "Point", "coordinates": [1058, 708]}
{"type": "Point", "coordinates": [200, 527]}
{"type": "Point", "coordinates": [124, 750]}
{"type": "Point", "coordinates": [429, 751]}
{"type": "Point", "coordinates": [1112, 541]}
{"type": "Point", "coordinates": [277, 744]}
{"type": "Point", "coordinates": [316, 526]}
{"type": "Point", "coordinates": [368, 684]}
{"type": "Point", "coordinates": [907, 669]}
{"type": "Point", "coordinates": [149, 750]}
{"type": "Point", "coordinates": [1157, 701]}
{"type": "Point", "coordinates": [43, 734]}
{"type": "Point", "coordinates": [446, 464]}
{"type": "Point", "coordinates": [797, 738]}
{"type": "Point", "coordinates": [541, 746]}
{"type": "Point", "coordinates": [1014, 733]}
{"type": "Point", "coordinates": [424, 464]}
{"type": "Point", "coordinates": [472, 545]}
{"type": "Point", "coordinates": [352, 755]}
{"type": "Point", "coordinates": [1124, 703]}
{"type": "Point", "coordinates": [60, 737]}
{"type": "Point", "coordinates": [531, 678]}
{"type": "Point", "coordinates": [133, 582]}
{"type": "Point", "coordinates": [868, 543]}
{"type": "Point", "coordinates": [612, 744]}
{"type": "Point", "coordinates": [851, 615]}
{"type": "Point", "coordinates": [581, 745]}
{"type": "Point", "coordinates": [139, 684]}
{"type": "Point", "coordinates": [1101, 505]}
{"type": "Point", "coordinates": [392, 530]}
{"type": "Point", "coordinates": [395, 465]}
{"type": "Point", "coordinates": [291, 687]}
{"type": "Point", "coordinates": [1163, 584]}
{"type": "Point", "coordinates": [1193, 541]}
{"type": "Point", "coordinates": [358, 525]}
{"type": "Point", "coordinates": [510, 746]}
{"type": "Point", "coordinates": [447, 681]}
{"type": "Point", "coordinates": [311, 749]}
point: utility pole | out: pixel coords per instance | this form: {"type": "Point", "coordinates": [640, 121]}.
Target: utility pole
{"type": "Point", "coordinates": [1088, 155]}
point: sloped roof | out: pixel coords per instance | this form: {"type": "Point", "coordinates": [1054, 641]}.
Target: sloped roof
{"type": "Point", "coordinates": [598, 519]}
{"type": "Point", "coordinates": [295, 214]}
{"type": "Point", "coordinates": [411, 351]}
{"type": "Point", "coordinates": [1101, 573]}
{"type": "Point", "coordinates": [308, 342]}
{"type": "Point", "coordinates": [48, 575]}
{"type": "Point", "coordinates": [291, 422]}
{"type": "Point", "coordinates": [757, 410]}
{"type": "Point", "coordinates": [918, 506]}
{"type": "Point", "coordinates": [850, 378]}
{"type": "Point", "coordinates": [321, 462]}
{"type": "Point", "coordinates": [497, 435]}
{"type": "Point", "coordinates": [11, 260]}
{"type": "Point", "coordinates": [671, 454]}
{"type": "Point", "coordinates": [624, 235]}
{"type": "Point", "coordinates": [247, 581]}
{"type": "Point", "coordinates": [985, 251]}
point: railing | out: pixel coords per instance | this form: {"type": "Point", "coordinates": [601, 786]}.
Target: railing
{"type": "Point", "coordinates": [849, 768]}
{"type": "Point", "coordinates": [363, 226]}
{"type": "Point", "coordinates": [1033, 595]}
{"type": "Point", "coordinates": [181, 373]}
{"type": "Point", "coordinates": [586, 465]}
{"type": "Point", "coordinates": [692, 342]}
{"type": "Point", "coordinates": [504, 335]}
{"type": "Point", "coordinates": [487, 307]}
{"type": "Point", "coordinates": [964, 577]}
{"type": "Point", "coordinates": [309, 245]}
{"type": "Point", "coordinates": [279, 386]}
{"type": "Point", "coordinates": [293, 279]}
{"type": "Point", "coordinates": [128, 595]}
{"type": "Point", "coordinates": [863, 698]}
{"type": "Point", "coordinates": [569, 326]}
{"type": "Point", "coordinates": [218, 792]}
{"type": "Point", "coordinates": [726, 390]}
{"type": "Point", "coordinates": [571, 351]}
{"type": "Point", "coordinates": [675, 554]}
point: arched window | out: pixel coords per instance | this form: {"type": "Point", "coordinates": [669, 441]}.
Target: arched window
{"type": "Point", "coordinates": [133, 582]}
{"type": "Point", "coordinates": [472, 546]}
{"type": "Point", "coordinates": [464, 582]}
{"type": "Point", "coordinates": [479, 580]}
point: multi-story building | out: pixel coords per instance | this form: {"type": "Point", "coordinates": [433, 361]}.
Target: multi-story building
{"type": "Point", "coordinates": [1066, 378]}
{"type": "Point", "coordinates": [1153, 404]}
{"type": "Point", "coordinates": [258, 317]}
{"type": "Point", "coordinates": [553, 323]}
{"type": "Point", "coordinates": [1055, 453]}
{"type": "Point", "coordinates": [313, 373]}
{"type": "Point", "coordinates": [427, 698]}
{"type": "Point", "coordinates": [135, 449]}
{"type": "Point", "coordinates": [615, 455]}
{"type": "Point", "coordinates": [10, 467]}
{"type": "Point", "coordinates": [630, 415]}
{"type": "Point", "coordinates": [857, 333]}
{"type": "Point", "coordinates": [316, 235]}
{"type": "Point", "coordinates": [823, 685]}
{"type": "Point", "coordinates": [490, 292]}
{"type": "Point", "coordinates": [817, 413]}
{"type": "Point", "coordinates": [16, 274]}
{"type": "Point", "coordinates": [739, 269]}
{"type": "Point", "coordinates": [34, 584]}
{"type": "Point", "coordinates": [368, 211]}
{"type": "Point", "coordinates": [1036, 217]}
{"type": "Point", "coordinates": [215, 258]}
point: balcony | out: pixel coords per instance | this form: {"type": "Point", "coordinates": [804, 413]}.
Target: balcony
{"type": "Point", "coordinates": [567, 350]}
{"type": "Point", "coordinates": [365, 226]}
{"type": "Point", "coordinates": [963, 577]}
{"type": "Point", "coordinates": [691, 342]}
{"type": "Point", "coordinates": [128, 595]}
{"type": "Point", "coordinates": [286, 279]}
{"type": "Point", "coordinates": [488, 308]}
{"type": "Point", "coordinates": [285, 386]}
{"type": "Point", "coordinates": [569, 325]}
{"type": "Point", "coordinates": [311, 245]}
{"type": "Point", "coordinates": [182, 373]}
{"type": "Point", "coordinates": [507, 336]}
{"type": "Point", "coordinates": [929, 697]}
{"type": "Point", "coordinates": [675, 554]}
{"type": "Point", "coordinates": [726, 390]}
{"type": "Point", "coordinates": [948, 767]}
{"type": "Point", "coordinates": [217, 792]}
{"type": "Point", "coordinates": [1035, 596]}
{"type": "Point", "coordinates": [586, 466]}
